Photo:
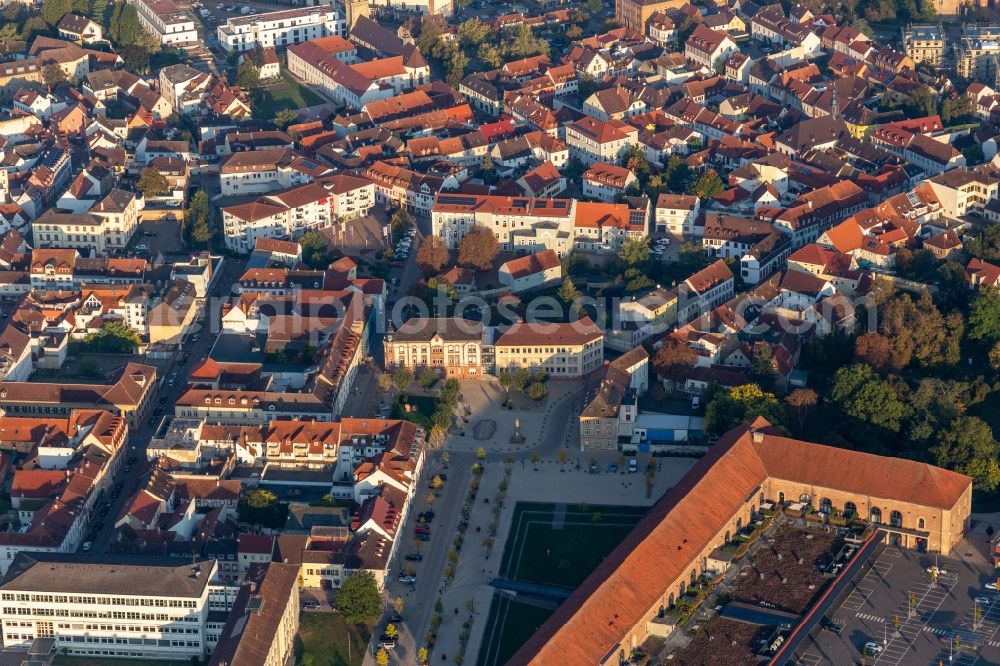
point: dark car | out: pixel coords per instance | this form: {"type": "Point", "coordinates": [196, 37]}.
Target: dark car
{"type": "Point", "coordinates": [427, 516]}
{"type": "Point", "coordinates": [833, 627]}
{"type": "Point", "coordinates": [423, 537]}
{"type": "Point", "coordinates": [414, 557]}
{"type": "Point", "coordinates": [422, 529]}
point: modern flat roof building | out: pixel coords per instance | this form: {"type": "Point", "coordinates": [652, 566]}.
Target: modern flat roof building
{"type": "Point", "coordinates": [99, 606]}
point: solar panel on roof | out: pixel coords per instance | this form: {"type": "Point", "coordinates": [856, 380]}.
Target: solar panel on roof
{"type": "Point", "coordinates": [558, 204]}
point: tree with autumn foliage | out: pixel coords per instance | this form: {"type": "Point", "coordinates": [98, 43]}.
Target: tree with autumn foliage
{"type": "Point", "coordinates": [432, 255]}
{"type": "Point", "coordinates": [674, 359]}
{"type": "Point", "coordinates": [478, 249]}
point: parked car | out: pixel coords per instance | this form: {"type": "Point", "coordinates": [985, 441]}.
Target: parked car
{"type": "Point", "coordinates": [612, 468]}
{"type": "Point", "coordinates": [422, 529]}
{"type": "Point", "coordinates": [423, 537]}
{"type": "Point", "coordinates": [633, 466]}
{"type": "Point", "coordinates": [427, 516]}
{"type": "Point", "coordinates": [414, 557]}
{"type": "Point", "coordinates": [87, 545]}
{"type": "Point", "coordinates": [695, 402]}
{"type": "Point", "coordinates": [872, 649]}
{"type": "Point", "coordinates": [594, 469]}
{"type": "Point", "coordinates": [311, 605]}
{"type": "Point", "coordinates": [982, 601]}
{"type": "Point", "coordinates": [991, 586]}
{"type": "Point", "coordinates": [407, 579]}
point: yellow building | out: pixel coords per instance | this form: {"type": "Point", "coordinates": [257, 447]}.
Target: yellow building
{"type": "Point", "coordinates": [635, 14]}
{"type": "Point", "coordinates": [573, 349]}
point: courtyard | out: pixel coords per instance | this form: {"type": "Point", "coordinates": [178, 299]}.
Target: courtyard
{"type": "Point", "coordinates": [554, 546]}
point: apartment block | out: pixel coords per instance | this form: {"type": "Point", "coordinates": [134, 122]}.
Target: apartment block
{"type": "Point", "coordinates": [520, 223]}
{"type": "Point", "coordinates": [281, 28]}
{"type": "Point", "coordinates": [924, 43]}
{"type": "Point", "coordinates": [166, 21]}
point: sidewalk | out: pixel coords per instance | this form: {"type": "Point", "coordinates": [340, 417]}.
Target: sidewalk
{"type": "Point", "coordinates": [543, 482]}
{"type": "Point", "coordinates": [485, 400]}
{"type": "Point", "coordinates": [474, 571]}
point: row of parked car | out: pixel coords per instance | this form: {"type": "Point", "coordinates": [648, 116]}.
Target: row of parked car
{"type": "Point", "coordinates": [403, 247]}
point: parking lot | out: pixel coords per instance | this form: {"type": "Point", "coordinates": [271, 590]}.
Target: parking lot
{"type": "Point", "coordinates": [911, 618]}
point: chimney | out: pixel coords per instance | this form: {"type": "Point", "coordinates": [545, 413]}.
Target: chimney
{"type": "Point", "coordinates": [756, 436]}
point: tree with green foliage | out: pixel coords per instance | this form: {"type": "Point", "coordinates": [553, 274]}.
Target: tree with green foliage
{"type": "Point", "coordinates": [402, 378]}
{"type": "Point", "coordinates": [457, 64]}
{"type": "Point", "coordinates": [984, 316]}
{"type": "Point", "coordinates": [248, 76]}
{"type": "Point", "coordinates": [358, 598]}
{"type": "Point", "coordinates": [994, 356]}
{"type": "Point", "coordinates": [316, 253]}
{"type": "Point", "coordinates": [478, 249]}
{"type": "Point", "coordinates": [260, 498]}
{"type": "Point", "coordinates": [97, 10]}
{"type": "Point", "coordinates": [9, 34]}
{"type": "Point", "coordinates": [53, 74]}
{"type": "Point", "coordinates": [135, 57]}
{"type": "Point", "coordinates": [869, 402]}
{"type": "Point", "coordinates": [115, 337]}
{"type": "Point", "coordinates": [125, 27]}
{"type": "Point", "coordinates": [33, 26]}
{"type": "Point", "coordinates": [427, 378]}
{"type": "Point", "coordinates": [967, 445]}
{"type": "Point", "coordinates": [920, 332]}
{"type": "Point", "coordinates": [285, 117]}
{"type": "Point", "coordinates": [54, 10]}
{"type": "Point", "coordinates": [197, 218]}
{"type": "Point", "coordinates": [762, 369]}
{"type": "Point", "coordinates": [490, 54]}
{"type": "Point", "coordinates": [473, 32]}
{"type": "Point", "coordinates": [437, 286]}
{"type": "Point", "coordinates": [707, 186]}
{"type": "Point", "coordinates": [727, 409]}
{"type": "Point", "coordinates": [537, 391]}
{"type": "Point", "coordinates": [152, 183]}
{"type": "Point", "coordinates": [634, 252]}
{"type": "Point", "coordinates": [526, 44]}
{"type": "Point", "coordinates": [568, 293]}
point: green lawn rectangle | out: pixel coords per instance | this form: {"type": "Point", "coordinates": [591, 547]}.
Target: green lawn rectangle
{"type": "Point", "coordinates": [286, 93]}
{"type": "Point", "coordinates": [325, 636]}
{"type": "Point", "coordinates": [547, 549]}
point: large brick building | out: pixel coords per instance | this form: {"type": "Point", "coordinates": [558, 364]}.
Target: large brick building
{"type": "Point", "coordinates": [616, 608]}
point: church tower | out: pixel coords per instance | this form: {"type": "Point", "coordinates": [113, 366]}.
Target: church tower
{"type": "Point", "coordinates": [353, 10]}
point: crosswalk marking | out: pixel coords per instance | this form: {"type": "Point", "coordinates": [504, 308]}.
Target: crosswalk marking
{"type": "Point", "coordinates": [869, 617]}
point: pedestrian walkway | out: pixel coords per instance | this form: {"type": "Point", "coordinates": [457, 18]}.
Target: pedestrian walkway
{"type": "Point", "coordinates": [559, 517]}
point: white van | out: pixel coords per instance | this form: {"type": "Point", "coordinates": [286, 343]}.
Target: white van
{"type": "Point", "coordinates": [633, 466]}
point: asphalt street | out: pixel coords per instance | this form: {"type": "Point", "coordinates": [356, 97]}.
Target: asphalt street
{"type": "Point", "coordinates": [164, 399]}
